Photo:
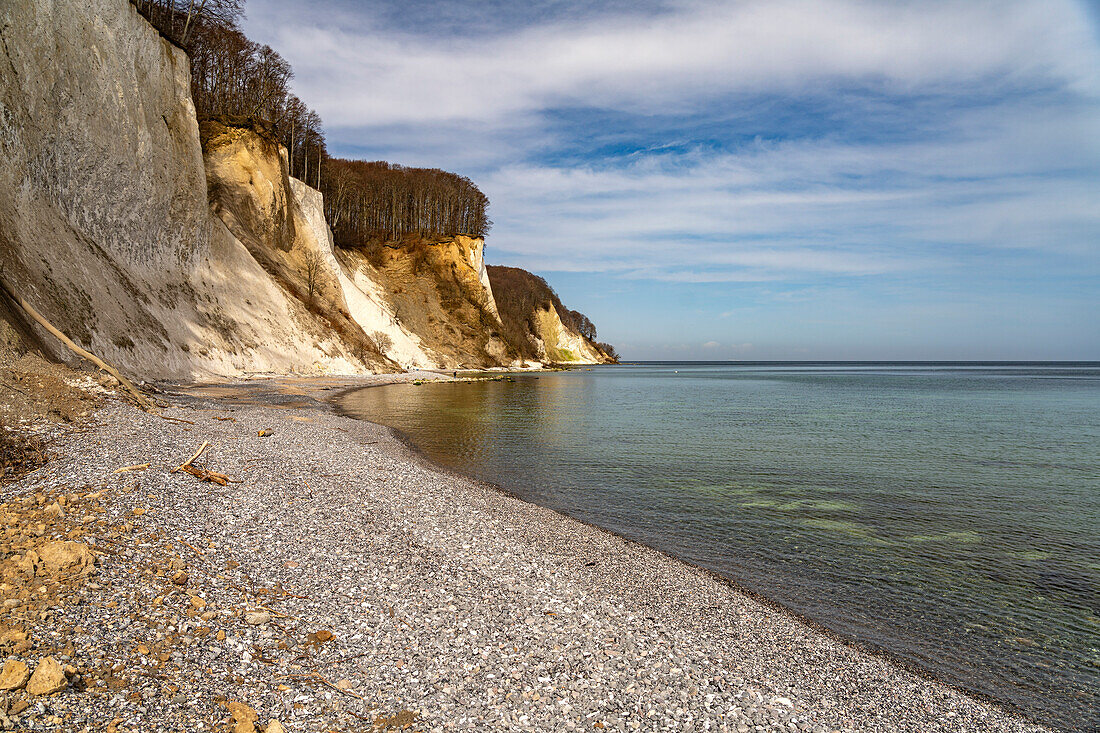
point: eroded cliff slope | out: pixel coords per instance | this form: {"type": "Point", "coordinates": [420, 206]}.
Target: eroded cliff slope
{"type": "Point", "coordinates": [105, 226]}
{"type": "Point", "coordinates": [439, 289]}
{"type": "Point", "coordinates": [422, 303]}
{"type": "Point", "coordinates": [182, 251]}
{"type": "Point", "coordinates": [536, 322]}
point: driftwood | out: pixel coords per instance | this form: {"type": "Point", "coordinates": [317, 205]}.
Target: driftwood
{"type": "Point", "coordinates": [126, 469]}
{"type": "Point", "coordinates": [144, 403]}
{"type": "Point", "coordinates": [204, 446]}
{"type": "Point", "coordinates": [194, 549]}
{"type": "Point", "coordinates": [201, 473]}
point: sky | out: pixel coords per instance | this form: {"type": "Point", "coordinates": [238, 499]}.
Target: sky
{"type": "Point", "coordinates": [749, 179]}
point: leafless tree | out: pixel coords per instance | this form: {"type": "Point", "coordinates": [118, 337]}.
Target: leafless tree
{"type": "Point", "coordinates": [312, 266]}
{"type": "Point", "coordinates": [242, 82]}
{"type": "Point", "coordinates": [580, 323]}
{"type": "Point", "coordinates": [177, 19]}
{"type": "Point", "coordinates": [380, 201]}
{"type": "Point", "coordinates": [382, 342]}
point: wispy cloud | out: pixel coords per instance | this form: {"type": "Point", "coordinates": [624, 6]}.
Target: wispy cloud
{"type": "Point", "coordinates": [770, 210]}
{"type": "Point", "coordinates": [842, 148]}
{"type": "Point", "coordinates": [644, 63]}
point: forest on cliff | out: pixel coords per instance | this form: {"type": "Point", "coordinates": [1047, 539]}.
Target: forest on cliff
{"type": "Point", "coordinates": [368, 205]}
{"type": "Point", "coordinates": [238, 81]}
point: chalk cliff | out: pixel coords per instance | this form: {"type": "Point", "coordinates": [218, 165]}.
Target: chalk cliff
{"type": "Point", "coordinates": [185, 252]}
{"type": "Point", "coordinates": [439, 289]}
{"type": "Point", "coordinates": [537, 324]}
{"type": "Point", "coordinates": [559, 344]}
{"type": "Point", "coordinates": [105, 226]}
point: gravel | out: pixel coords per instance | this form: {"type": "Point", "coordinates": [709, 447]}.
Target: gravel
{"type": "Point", "coordinates": [346, 584]}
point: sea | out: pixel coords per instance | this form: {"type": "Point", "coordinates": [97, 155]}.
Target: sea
{"type": "Point", "coordinates": [944, 514]}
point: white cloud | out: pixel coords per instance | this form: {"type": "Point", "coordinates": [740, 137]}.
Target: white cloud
{"type": "Point", "coordinates": [1014, 176]}
{"type": "Point", "coordinates": [793, 209]}
{"type": "Point", "coordinates": [711, 345]}
{"type": "Point", "coordinates": [647, 64]}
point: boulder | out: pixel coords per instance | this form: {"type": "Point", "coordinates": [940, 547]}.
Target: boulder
{"type": "Point", "coordinates": [14, 675]}
{"type": "Point", "coordinates": [66, 557]}
{"type": "Point", "coordinates": [48, 678]}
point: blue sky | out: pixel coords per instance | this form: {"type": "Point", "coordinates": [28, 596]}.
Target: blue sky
{"type": "Point", "coordinates": [752, 179]}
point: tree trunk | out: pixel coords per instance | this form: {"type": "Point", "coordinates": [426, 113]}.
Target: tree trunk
{"type": "Point", "coordinates": [142, 401]}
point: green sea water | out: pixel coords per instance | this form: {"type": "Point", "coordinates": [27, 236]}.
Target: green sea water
{"type": "Point", "coordinates": [947, 514]}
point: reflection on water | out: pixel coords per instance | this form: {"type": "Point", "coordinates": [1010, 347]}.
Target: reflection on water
{"type": "Point", "coordinates": [949, 514]}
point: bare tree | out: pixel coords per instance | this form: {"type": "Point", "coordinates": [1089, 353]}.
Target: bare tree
{"type": "Point", "coordinates": [177, 19]}
{"type": "Point", "coordinates": [224, 12]}
{"type": "Point", "coordinates": [382, 342]}
{"type": "Point", "coordinates": [312, 264]}
{"type": "Point", "coordinates": [580, 323]}
{"type": "Point", "coordinates": [380, 201]}
{"type": "Point", "coordinates": [232, 77]}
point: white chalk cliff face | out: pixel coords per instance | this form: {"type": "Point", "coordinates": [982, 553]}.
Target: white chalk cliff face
{"type": "Point", "coordinates": [366, 301]}
{"type": "Point", "coordinates": [180, 257]}
{"type": "Point", "coordinates": [437, 289]}
{"type": "Point", "coordinates": [104, 222]}
{"type": "Point", "coordinates": [477, 262]}
{"type": "Point", "coordinates": [561, 345]}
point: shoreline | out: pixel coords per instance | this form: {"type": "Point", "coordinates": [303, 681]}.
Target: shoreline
{"type": "Point", "coordinates": [593, 617]}
{"type": "Point", "coordinates": [413, 452]}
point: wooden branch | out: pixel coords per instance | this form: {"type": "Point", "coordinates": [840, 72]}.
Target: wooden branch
{"type": "Point", "coordinates": [204, 446]}
{"type": "Point", "coordinates": [144, 403]}
{"type": "Point", "coordinates": [194, 549]}
{"type": "Point", "coordinates": [201, 473]}
{"type": "Point", "coordinates": [125, 469]}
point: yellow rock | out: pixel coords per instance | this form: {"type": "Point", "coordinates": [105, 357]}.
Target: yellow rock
{"type": "Point", "coordinates": [242, 713]}
{"type": "Point", "coordinates": [26, 563]}
{"type": "Point", "coordinates": [274, 726]}
{"type": "Point", "coordinates": [198, 602]}
{"type": "Point", "coordinates": [14, 675]}
{"type": "Point", "coordinates": [244, 717]}
{"type": "Point", "coordinates": [48, 678]}
{"type": "Point", "coordinates": [59, 556]}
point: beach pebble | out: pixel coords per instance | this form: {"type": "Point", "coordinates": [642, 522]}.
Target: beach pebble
{"type": "Point", "coordinates": [257, 618]}
{"type": "Point", "coordinates": [437, 602]}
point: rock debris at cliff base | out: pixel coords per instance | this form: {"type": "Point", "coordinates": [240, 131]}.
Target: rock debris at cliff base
{"type": "Point", "coordinates": [346, 585]}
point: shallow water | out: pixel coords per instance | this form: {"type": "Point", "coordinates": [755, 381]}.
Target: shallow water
{"type": "Point", "coordinates": [948, 514]}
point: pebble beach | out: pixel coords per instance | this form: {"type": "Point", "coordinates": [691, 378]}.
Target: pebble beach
{"type": "Point", "coordinates": [338, 581]}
